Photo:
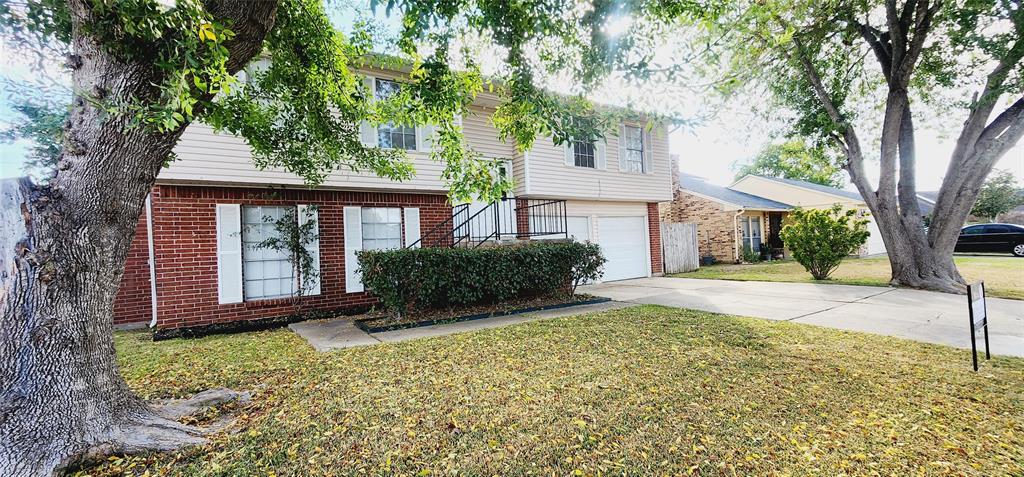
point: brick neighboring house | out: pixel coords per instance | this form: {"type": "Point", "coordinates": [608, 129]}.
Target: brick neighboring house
{"type": "Point", "coordinates": [749, 214]}
{"type": "Point", "coordinates": [728, 221]}
{"type": "Point", "coordinates": [193, 260]}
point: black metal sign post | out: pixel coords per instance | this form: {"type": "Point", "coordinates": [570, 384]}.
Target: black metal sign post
{"type": "Point", "coordinates": [979, 318]}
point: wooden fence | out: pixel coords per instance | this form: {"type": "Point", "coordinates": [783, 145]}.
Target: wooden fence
{"type": "Point", "coordinates": [679, 247]}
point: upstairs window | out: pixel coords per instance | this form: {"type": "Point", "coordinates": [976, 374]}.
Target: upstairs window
{"type": "Point", "coordinates": [389, 135]}
{"type": "Point", "coordinates": [584, 154]}
{"type": "Point", "coordinates": [633, 158]}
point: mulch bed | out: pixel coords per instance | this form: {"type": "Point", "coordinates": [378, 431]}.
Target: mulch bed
{"type": "Point", "coordinates": [381, 321]}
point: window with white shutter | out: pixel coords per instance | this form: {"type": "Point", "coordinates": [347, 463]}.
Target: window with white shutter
{"type": "Point", "coordinates": [269, 273]}
{"type": "Point", "coordinates": [633, 150]}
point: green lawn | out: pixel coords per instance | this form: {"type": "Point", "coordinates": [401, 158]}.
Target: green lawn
{"type": "Point", "coordinates": [644, 390]}
{"type": "Point", "coordinates": [1004, 276]}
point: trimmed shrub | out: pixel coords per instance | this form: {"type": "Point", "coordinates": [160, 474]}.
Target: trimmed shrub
{"type": "Point", "coordinates": [821, 238]}
{"type": "Point", "coordinates": [422, 278]}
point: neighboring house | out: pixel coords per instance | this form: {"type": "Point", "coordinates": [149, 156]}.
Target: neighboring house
{"type": "Point", "coordinates": [809, 195]}
{"type": "Point", "coordinates": [749, 214]}
{"type": "Point", "coordinates": [193, 262]}
{"type": "Point", "coordinates": [728, 221]}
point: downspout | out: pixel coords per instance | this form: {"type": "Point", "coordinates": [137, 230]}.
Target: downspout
{"type": "Point", "coordinates": [736, 236]}
{"type": "Point", "coordinates": [152, 258]}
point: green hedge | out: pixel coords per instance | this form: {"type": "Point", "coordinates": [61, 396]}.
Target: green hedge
{"type": "Point", "coordinates": [422, 278]}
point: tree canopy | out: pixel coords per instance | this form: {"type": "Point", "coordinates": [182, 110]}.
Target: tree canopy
{"type": "Point", "coordinates": [794, 160]}
{"type": "Point", "coordinates": [999, 194]}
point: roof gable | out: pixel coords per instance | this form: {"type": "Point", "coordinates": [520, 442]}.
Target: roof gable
{"type": "Point", "coordinates": [727, 196]}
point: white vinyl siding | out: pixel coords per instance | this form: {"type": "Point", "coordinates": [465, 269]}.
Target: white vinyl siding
{"type": "Point", "coordinates": [268, 273]}
{"type": "Point", "coordinates": [548, 175]}
{"type": "Point", "coordinates": [222, 159]}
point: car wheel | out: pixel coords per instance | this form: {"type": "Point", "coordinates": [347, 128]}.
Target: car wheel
{"type": "Point", "coordinates": [1018, 250]}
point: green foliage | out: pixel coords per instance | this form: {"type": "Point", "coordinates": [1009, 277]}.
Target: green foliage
{"type": "Point", "coordinates": [302, 114]}
{"type": "Point", "coordinates": [424, 278]}
{"type": "Point", "coordinates": [999, 194]}
{"type": "Point", "coordinates": [820, 239]}
{"type": "Point", "coordinates": [294, 238]}
{"type": "Point", "coordinates": [749, 255]}
{"type": "Point", "coordinates": [43, 125]}
{"type": "Point", "coordinates": [795, 160]}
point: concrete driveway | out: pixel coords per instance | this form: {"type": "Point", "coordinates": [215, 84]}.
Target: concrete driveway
{"type": "Point", "coordinates": [913, 314]}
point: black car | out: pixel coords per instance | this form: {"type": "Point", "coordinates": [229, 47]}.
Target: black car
{"type": "Point", "coordinates": [999, 238]}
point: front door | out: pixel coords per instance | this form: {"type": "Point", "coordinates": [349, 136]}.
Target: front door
{"type": "Point", "coordinates": [774, 227]}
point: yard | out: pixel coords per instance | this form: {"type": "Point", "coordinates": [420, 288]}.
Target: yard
{"type": "Point", "coordinates": [1004, 276]}
{"type": "Point", "coordinates": [644, 390]}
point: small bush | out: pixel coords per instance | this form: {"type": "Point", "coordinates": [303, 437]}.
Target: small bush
{"type": "Point", "coordinates": [423, 278]}
{"type": "Point", "coordinates": [750, 256]}
{"type": "Point", "coordinates": [821, 238]}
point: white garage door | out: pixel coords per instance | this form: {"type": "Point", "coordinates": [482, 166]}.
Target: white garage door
{"type": "Point", "coordinates": [624, 243]}
{"type": "Point", "coordinates": [875, 243]}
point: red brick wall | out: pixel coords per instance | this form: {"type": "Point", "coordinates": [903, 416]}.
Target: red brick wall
{"type": "Point", "coordinates": [185, 245]}
{"type": "Point", "coordinates": [654, 224]}
{"type": "Point", "coordinates": [133, 303]}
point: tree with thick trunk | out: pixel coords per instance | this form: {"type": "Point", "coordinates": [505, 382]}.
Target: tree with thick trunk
{"type": "Point", "coordinates": [141, 71]}
{"type": "Point", "coordinates": [64, 245]}
{"type": "Point", "coordinates": [920, 257]}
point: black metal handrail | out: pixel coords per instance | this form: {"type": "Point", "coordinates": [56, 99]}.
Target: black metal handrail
{"type": "Point", "coordinates": [502, 219]}
{"type": "Point", "coordinates": [441, 231]}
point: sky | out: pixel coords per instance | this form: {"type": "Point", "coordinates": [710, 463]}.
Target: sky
{"type": "Point", "coordinates": [708, 149]}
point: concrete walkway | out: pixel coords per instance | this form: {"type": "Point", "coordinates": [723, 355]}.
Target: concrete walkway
{"type": "Point", "coordinates": [913, 314]}
{"type": "Point", "coordinates": [339, 333]}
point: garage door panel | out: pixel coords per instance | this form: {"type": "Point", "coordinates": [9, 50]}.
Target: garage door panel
{"type": "Point", "coordinates": [623, 241]}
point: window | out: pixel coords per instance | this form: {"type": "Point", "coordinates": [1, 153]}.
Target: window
{"type": "Point", "coordinates": [634, 150]}
{"type": "Point", "coordinates": [997, 229]}
{"type": "Point", "coordinates": [267, 273]}
{"type": "Point", "coordinates": [390, 135]}
{"type": "Point", "coordinates": [974, 230]}
{"type": "Point", "coordinates": [751, 227]}
{"type": "Point", "coordinates": [583, 154]}
{"type": "Point", "coordinates": [382, 228]}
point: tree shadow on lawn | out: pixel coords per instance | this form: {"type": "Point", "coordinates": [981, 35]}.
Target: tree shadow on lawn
{"type": "Point", "coordinates": [638, 390]}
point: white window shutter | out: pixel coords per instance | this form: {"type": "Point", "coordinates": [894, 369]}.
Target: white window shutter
{"type": "Point", "coordinates": [367, 131]}
{"type": "Point", "coordinates": [425, 138]}
{"type": "Point", "coordinates": [622, 147]}
{"type": "Point", "coordinates": [567, 151]}
{"type": "Point", "coordinates": [648, 151]}
{"type": "Point", "coordinates": [412, 226]}
{"type": "Point", "coordinates": [229, 253]}
{"type": "Point", "coordinates": [601, 154]}
{"type": "Point", "coordinates": [310, 213]}
{"type": "Point", "coordinates": [368, 134]}
{"type": "Point", "coordinates": [353, 218]}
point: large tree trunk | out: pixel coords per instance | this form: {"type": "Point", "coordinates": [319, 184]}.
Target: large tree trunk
{"type": "Point", "coordinates": [62, 254]}
{"type": "Point", "coordinates": [921, 259]}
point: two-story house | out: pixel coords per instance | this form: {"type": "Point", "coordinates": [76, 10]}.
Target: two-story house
{"type": "Point", "coordinates": [194, 261]}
